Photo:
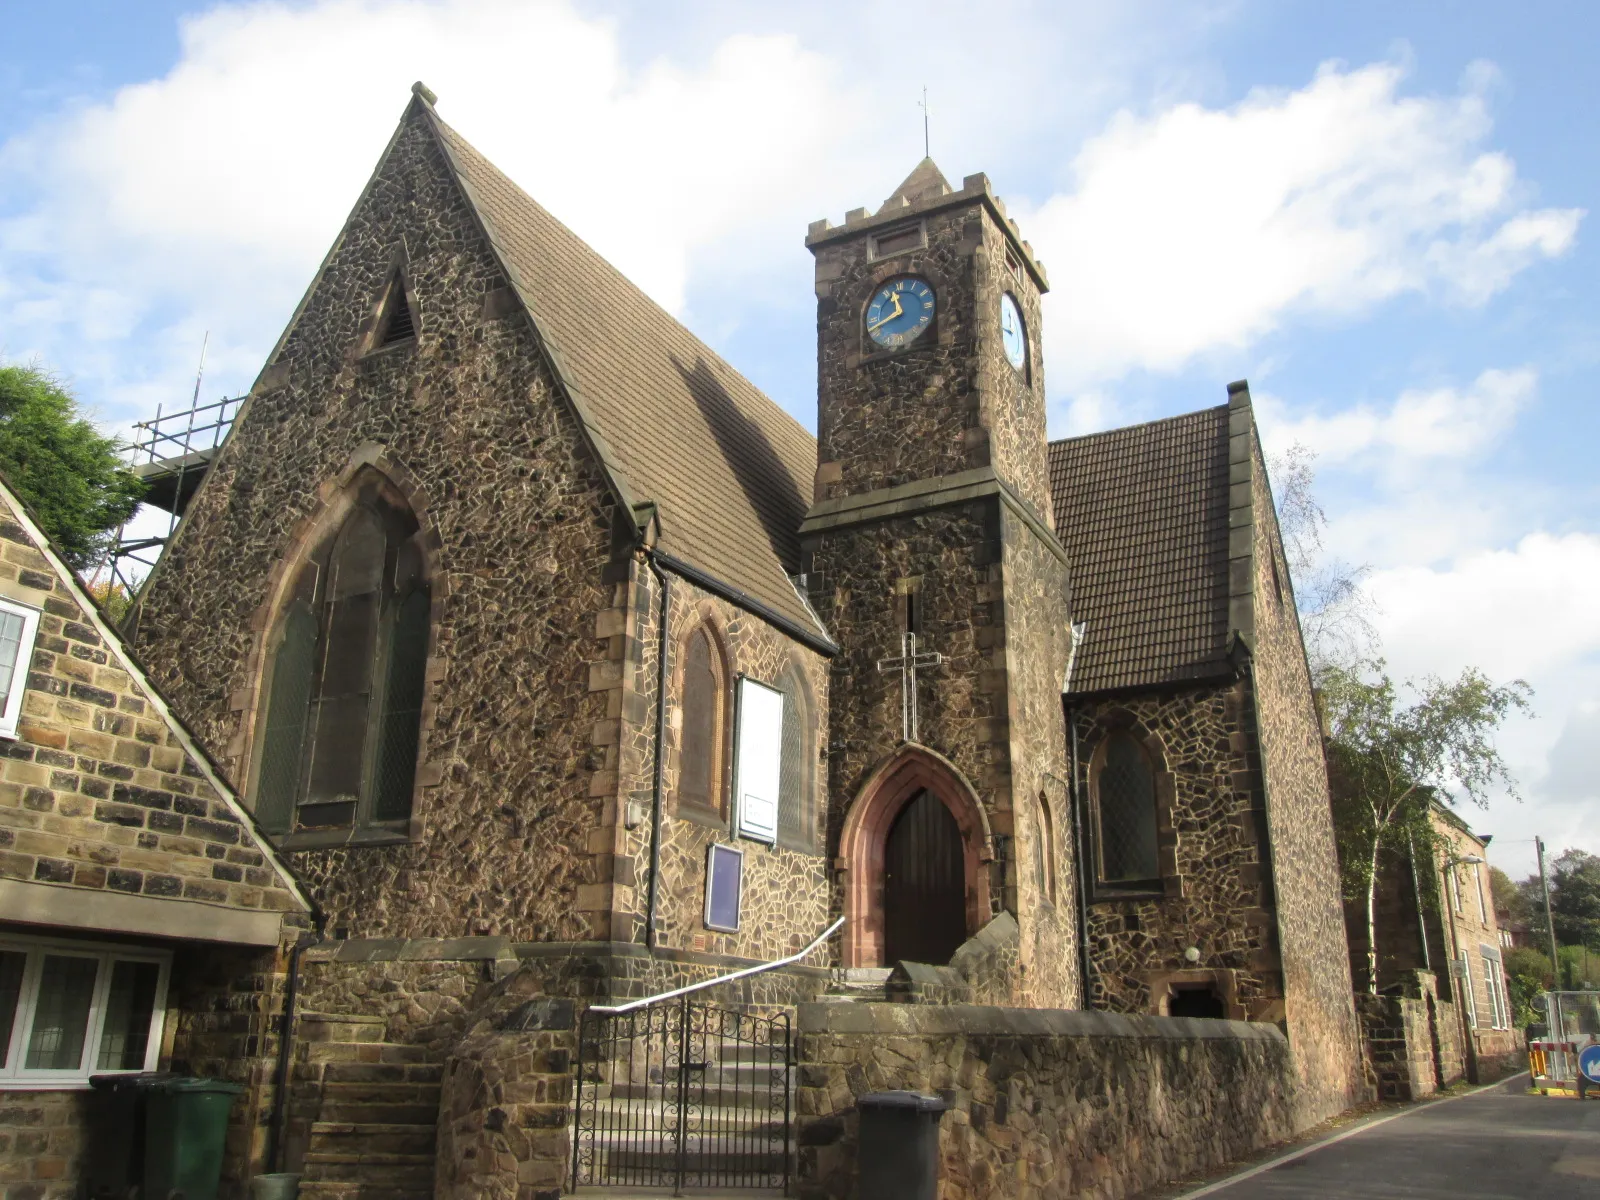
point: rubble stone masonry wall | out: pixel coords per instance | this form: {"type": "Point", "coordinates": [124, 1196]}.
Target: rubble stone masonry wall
{"type": "Point", "coordinates": [1031, 1112]}
{"type": "Point", "coordinates": [785, 896]}
{"type": "Point", "coordinates": [1319, 1005]}
{"type": "Point", "coordinates": [466, 422]}
{"type": "Point", "coordinates": [1037, 643]}
{"type": "Point", "coordinates": [1211, 835]}
{"type": "Point", "coordinates": [950, 401]}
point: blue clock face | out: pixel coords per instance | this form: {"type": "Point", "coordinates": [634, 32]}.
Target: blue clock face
{"type": "Point", "coordinates": [899, 313]}
{"type": "Point", "coordinates": [1012, 338]}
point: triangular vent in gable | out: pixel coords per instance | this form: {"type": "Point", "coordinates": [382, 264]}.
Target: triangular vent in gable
{"type": "Point", "coordinates": [397, 323]}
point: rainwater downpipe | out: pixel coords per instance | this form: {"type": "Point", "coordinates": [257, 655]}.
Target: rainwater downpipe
{"type": "Point", "coordinates": [291, 991]}
{"type": "Point", "coordinates": [652, 894]}
{"type": "Point", "coordinates": [1081, 845]}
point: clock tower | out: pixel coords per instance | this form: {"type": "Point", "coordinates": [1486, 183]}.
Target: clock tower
{"type": "Point", "coordinates": [930, 552]}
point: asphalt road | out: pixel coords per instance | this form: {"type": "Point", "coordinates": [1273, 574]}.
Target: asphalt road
{"type": "Point", "coordinates": [1496, 1143]}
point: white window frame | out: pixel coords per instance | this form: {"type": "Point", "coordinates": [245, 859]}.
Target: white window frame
{"type": "Point", "coordinates": [1483, 911]}
{"type": "Point", "coordinates": [1494, 978]}
{"type": "Point", "coordinates": [1464, 962]}
{"type": "Point", "coordinates": [14, 1076]}
{"type": "Point", "coordinates": [19, 678]}
{"type": "Point", "coordinates": [758, 759]}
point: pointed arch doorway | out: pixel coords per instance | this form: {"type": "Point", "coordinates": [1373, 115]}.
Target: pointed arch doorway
{"type": "Point", "coordinates": [916, 848]}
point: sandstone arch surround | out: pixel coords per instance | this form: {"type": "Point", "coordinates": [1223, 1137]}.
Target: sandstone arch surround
{"type": "Point", "coordinates": [334, 498]}
{"type": "Point", "coordinates": [889, 788]}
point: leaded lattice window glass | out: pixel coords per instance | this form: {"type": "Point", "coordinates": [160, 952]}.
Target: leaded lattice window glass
{"type": "Point", "coordinates": [1126, 798]}
{"type": "Point", "coordinates": [342, 722]}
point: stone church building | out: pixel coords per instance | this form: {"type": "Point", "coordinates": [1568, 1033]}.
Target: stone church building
{"type": "Point", "coordinates": [554, 656]}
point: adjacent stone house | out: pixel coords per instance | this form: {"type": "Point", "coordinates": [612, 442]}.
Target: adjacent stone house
{"type": "Point", "coordinates": [1434, 916]}
{"type": "Point", "coordinates": [565, 667]}
{"type": "Point", "coordinates": [144, 919]}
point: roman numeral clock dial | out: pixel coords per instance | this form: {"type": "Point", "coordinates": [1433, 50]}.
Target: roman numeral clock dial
{"type": "Point", "coordinates": [899, 312]}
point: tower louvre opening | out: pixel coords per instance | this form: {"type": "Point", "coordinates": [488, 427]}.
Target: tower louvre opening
{"type": "Point", "coordinates": [398, 324]}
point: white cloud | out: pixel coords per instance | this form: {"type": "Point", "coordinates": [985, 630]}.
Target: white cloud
{"type": "Point", "coordinates": [216, 188]}
{"type": "Point", "coordinates": [1523, 612]}
{"type": "Point", "coordinates": [1513, 612]}
{"type": "Point", "coordinates": [1423, 423]}
{"type": "Point", "coordinates": [1195, 229]}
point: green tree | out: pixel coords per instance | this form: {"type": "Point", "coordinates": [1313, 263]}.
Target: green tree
{"type": "Point", "coordinates": [1387, 759]}
{"type": "Point", "coordinates": [64, 468]}
{"type": "Point", "coordinates": [1575, 898]}
{"type": "Point", "coordinates": [1509, 902]}
{"type": "Point", "coordinates": [1528, 973]}
{"type": "Point", "coordinates": [1580, 968]}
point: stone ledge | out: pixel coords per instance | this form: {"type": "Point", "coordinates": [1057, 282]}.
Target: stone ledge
{"type": "Point", "coordinates": [969, 1019]}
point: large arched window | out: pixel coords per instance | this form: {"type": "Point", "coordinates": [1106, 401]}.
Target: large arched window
{"type": "Point", "coordinates": [700, 748]}
{"type": "Point", "coordinates": [1125, 803]}
{"type": "Point", "coordinates": [796, 797]}
{"type": "Point", "coordinates": [343, 706]}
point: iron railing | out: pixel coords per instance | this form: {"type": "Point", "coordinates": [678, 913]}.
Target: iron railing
{"type": "Point", "coordinates": [671, 1093]}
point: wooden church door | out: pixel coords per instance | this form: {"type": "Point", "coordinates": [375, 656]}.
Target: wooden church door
{"type": "Point", "coordinates": [924, 884]}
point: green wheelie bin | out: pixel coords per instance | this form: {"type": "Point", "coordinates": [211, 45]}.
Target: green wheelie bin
{"type": "Point", "coordinates": [186, 1127]}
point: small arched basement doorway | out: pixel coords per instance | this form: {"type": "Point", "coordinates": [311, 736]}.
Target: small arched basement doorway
{"type": "Point", "coordinates": [924, 884]}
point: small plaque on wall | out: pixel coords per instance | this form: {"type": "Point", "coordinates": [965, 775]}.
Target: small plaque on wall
{"type": "Point", "coordinates": [724, 883]}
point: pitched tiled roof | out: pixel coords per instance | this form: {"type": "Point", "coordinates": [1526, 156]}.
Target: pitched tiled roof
{"type": "Point", "coordinates": [729, 470]}
{"type": "Point", "coordinates": [1143, 513]}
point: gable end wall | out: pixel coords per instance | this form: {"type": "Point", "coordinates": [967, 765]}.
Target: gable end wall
{"type": "Point", "coordinates": [518, 765]}
{"type": "Point", "coordinates": [1320, 1010]}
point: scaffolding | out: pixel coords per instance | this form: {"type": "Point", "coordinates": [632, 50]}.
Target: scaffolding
{"type": "Point", "coordinates": [171, 453]}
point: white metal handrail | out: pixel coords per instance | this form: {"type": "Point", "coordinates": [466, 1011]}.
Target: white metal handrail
{"type": "Point", "coordinates": [614, 1009]}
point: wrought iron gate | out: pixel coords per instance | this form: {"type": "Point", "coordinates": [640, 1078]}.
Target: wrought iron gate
{"type": "Point", "coordinates": [682, 1095]}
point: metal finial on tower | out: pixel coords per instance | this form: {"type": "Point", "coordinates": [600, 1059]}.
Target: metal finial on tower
{"type": "Point", "coordinates": [923, 104]}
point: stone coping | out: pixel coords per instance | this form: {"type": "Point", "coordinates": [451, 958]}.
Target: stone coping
{"type": "Point", "coordinates": [980, 1020]}
{"type": "Point", "coordinates": [492, 948]}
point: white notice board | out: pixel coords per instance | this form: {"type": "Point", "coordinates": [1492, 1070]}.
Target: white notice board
{"type": "Point", "coordinates": [757, 759]}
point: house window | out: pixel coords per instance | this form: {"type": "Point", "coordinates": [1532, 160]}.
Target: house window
{"type": "Point", "coordinates": [1125, 800]}
{"type": "Point", "coordinates": [343, 713]}
{"type": "Point", "coordinates": [700, 749]}
{"type": "Point", "coordinates": [1044, 855]}
{"type": "Point", "coordinates": [69, 1010]}
{"type": "Point", "coordinates": [796, 803]}
{"type": "Point", "coordinates": [18, 626]}
{"type": "Point", "coordinates": [1464, 979]}
{"type": "Point", "coordinates": [1483, 909]}
{"type": "Point", "coordinates": [1494, 981]}
{"type": "Point", "coordinates": [1455, 887]}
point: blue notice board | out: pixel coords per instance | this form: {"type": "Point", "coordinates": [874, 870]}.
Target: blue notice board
{"type": "Point", "coordinates": [724, 881]}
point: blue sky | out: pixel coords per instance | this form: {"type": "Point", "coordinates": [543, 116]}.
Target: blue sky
{"type": "Point", "coordinates": [1379, 214]}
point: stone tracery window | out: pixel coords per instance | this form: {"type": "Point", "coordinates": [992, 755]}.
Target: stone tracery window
{"type": "Point", "coordinates": [342, 719]}
{"type": "Point", "coordinates": [1125, 803]}
{"type": "Point", "coordinates": [700, 745]}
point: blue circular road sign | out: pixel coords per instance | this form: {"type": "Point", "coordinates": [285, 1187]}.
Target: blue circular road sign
{"type": "Point", "coordinates": [1589, 1063]}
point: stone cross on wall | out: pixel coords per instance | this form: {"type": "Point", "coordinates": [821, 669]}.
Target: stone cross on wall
{"type": "Point", "coordinates": [907, 665]}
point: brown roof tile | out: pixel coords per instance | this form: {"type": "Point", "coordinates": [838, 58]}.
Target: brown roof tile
{"type": "Point", "coordinates": [729, 470]}
{"type": "Point", "coordinates": [1143, 513]}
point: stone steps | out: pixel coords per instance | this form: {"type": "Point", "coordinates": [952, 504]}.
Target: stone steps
{"type": "Point", "coordinates": [377, 1111]}
{"type": "Point", "coordinates": [351, 1189]}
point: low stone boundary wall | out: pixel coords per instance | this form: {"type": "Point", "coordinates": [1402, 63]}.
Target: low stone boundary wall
{"type": "Point", "coordinates": [1043, 1102]}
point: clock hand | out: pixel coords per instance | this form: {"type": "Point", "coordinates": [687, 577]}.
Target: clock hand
{"type": "Point", "coordinates": [898, 311]}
